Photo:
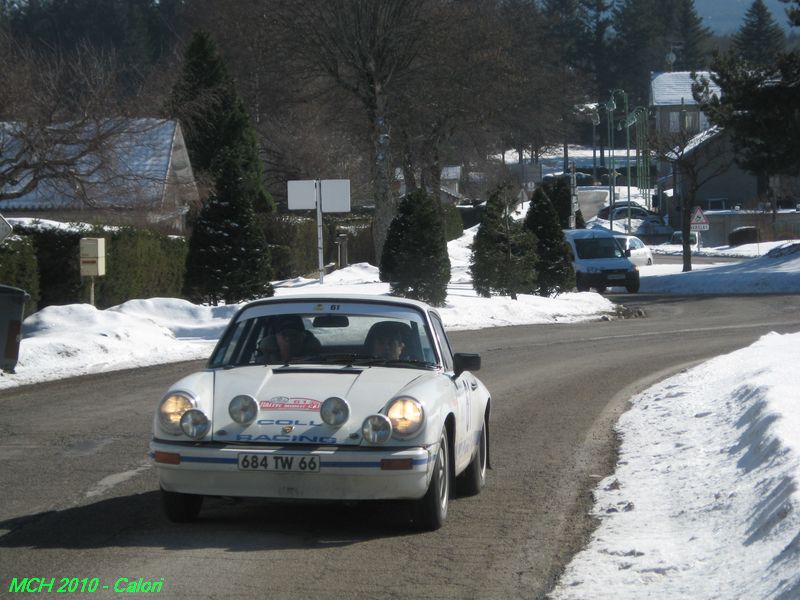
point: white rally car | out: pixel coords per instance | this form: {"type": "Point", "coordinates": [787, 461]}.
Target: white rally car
{"type": "Point", "coordinates": [326, 398]}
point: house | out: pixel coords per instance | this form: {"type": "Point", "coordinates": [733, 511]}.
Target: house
{"type": "Point", "coordinates": [139, 175]}
{"type": "Point", "coordinates": [449, 191]}
{"type": "Point", "coordinates": [673, 104]}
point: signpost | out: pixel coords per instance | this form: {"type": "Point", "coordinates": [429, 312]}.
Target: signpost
{"type": "Point", "coordinates": [698, 221]}
{"type": "Point", "coordinates": [324, 195]}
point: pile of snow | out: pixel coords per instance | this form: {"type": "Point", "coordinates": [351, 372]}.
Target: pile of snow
{"type": "Point", "coordinates": [705, 500]}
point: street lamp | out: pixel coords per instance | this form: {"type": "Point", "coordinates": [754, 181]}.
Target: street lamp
{"type": "Point", "coordinates": [610, 108]}
{"type": "Point", "coordinates": [595, 123]}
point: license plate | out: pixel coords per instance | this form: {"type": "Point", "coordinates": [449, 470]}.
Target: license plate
{"type": "Point", "coordinates": [616, 276]}
{"type": "Point", "coordinates": [284, 463]}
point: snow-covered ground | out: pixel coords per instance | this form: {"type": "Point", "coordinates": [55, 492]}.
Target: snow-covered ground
{"type": "Point", "coordinates": [704, 502]}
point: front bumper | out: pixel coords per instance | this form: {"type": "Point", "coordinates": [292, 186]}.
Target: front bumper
{"type": "Point", "coordinates": [346, 473]}
{"type": "Point", "coordinates": [616, 278]}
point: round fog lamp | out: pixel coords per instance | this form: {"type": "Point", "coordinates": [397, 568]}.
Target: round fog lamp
{"type": "Point", "coordinates": [335, 411]}
{"type": "Point", "coordinates": [376, 429]}
{"type": "Point", "coordinates": [243, 409]}
{"type": "Point", "coordinates": [194, 424]}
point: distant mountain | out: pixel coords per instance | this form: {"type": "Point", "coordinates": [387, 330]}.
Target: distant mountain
{"type": "Point", "coordinates": [726, 16]}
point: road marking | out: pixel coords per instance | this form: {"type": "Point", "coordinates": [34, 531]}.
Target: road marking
{"type": "Point", "coordinates": [106, 483]}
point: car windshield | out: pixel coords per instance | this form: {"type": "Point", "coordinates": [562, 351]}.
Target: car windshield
{"type": "Point", "coordinates": [326, 333]}
{"type": "Point", "coordinates": [600, 247]}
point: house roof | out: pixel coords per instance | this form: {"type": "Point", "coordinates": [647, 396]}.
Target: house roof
{"type": "Point", "coordinates": [698, 141]}
{"type": "Point", "coordinates": [133, 170]}
{"type": "Point", "coordinates": [675, 88]}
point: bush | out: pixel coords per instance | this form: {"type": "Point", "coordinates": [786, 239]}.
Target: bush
{"type": "Point", "coordinates": [553, 263]}
{"type": "Point", "coordinates": [18, 268]}
{"type": "Point", "coordinates": [415, 260]}
{"type": "Point", "coordinates": [743, 235]}
{"type": "Point", "coordinates": [453, 223]}
{"type": "Point", "coordinates": [503, 257]}
{"type": "Point", "coordinates": [139, 264]}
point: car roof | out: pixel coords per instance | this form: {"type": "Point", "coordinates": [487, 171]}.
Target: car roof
{"type": "Point", "coordinates": [340, 297]}
{"type": "Point", "coordinates": [579, 234]}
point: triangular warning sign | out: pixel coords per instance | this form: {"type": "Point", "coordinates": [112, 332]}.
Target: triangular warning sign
{"type": "Point", "coordinates": [698, 218]}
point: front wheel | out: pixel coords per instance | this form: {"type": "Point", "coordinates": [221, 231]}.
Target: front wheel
{"type": "Point", "coordinates": [181, 508]}
{"type": "Point", "coordinates": [431, 510]}
{"type": "Point", "coordinates": [601, 289]}
{"type": "Point", "coordinates": [632, 288]}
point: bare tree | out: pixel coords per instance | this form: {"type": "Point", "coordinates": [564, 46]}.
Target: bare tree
{"type": "Point", "coordinates": [365, 48]}
{"type": "Point", "coordinates": [61, 123]}
{"type": "Point", "coordinates": [696, 160]}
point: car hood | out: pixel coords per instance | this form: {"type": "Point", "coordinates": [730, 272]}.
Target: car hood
{"type": "Point", "coordinates": [289, 400]}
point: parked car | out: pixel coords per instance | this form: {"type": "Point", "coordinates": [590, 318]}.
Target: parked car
{"type": "Point", "coordinates": [617, 206]}
{"type": "Point", "coordinates": [695, 239]}
{"type": "Point", "coordinates": [599, 261]}
{"type": "Point", "coordinates": [635, 249]}
{"type": "Point", "coordinates": [326, 398]}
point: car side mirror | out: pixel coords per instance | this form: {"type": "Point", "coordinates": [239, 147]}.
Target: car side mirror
{"type": "Point", "coordinates": [466, 362]}
{"type": "Point", "coordinates": [628, 252]}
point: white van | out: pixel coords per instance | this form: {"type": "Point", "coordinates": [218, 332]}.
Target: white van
{"type": "Point", "coordinates": [600, 261]}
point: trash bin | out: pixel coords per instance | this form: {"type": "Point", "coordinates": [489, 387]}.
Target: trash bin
{"type": "Point", "coordinates": [12, 308]}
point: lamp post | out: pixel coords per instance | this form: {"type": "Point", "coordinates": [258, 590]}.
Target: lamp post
{"type": "Point", "coordinates": [635, 118]}
{"type": "Point", "coordinates": [595, 123]}
{"type": "Point", "coordinates": [612, 178]}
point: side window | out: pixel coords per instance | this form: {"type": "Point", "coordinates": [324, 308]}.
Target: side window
{"type": "Point", "coordinates": [447, 354]}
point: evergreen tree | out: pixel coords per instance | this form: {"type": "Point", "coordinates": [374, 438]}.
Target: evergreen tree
{"type": "Point", "coordinates": [691, 38]}
{"type": "Point", "coordinates": [553, 264]}
{"type": "Point", "coordinates": [560, 196]}
{"type": "Point", "coordinates": [213, 117]}
{"type": "Point", "coordinates": [504, 252]}
{"type": "Point", "coordinates": [760, 39]}
{"type": "Point", "coordinates": [228, 258]}
{"type": "Point", "coordinates": [593, 46]}
{"type": "Point", "coordinates": [415, 260]}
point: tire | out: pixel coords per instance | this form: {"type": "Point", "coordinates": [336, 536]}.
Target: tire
{"type": "Point", "coordinates": [632, 288]}
{"type": "Point", "coordinates": [581, 284]}
{"type": "Point", "coordinates": [430, 511]}
{"type": "Point", "coordinates": [181, 508]}
{"type": "Point", "coordinates": [601, 289]}
{"type": "Point", "coordinates": [472, 480]}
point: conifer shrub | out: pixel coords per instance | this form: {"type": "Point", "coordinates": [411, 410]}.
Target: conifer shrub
{"type": "Point", "coordinates": [414, 259]}
{"type": "Point", "coordinates": [19, 269]}
{"type": "Point", "coordinates": [553, 263]}
{"type": "Point", "coordinates": [503, 257]}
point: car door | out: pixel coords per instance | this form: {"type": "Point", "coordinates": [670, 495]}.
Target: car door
{"type": "Point", "coordinates": [463, 389]}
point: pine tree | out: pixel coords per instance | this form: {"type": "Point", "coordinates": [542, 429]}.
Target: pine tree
{"type": "Point", "coordinates": [228, 258]}
{"type": "Point", "coordinates": [504, 252]}
{"type": "Point", "coordinates": [213, 117]}
{"type": "Point", "coordinates": [553, 265]}
{"type": "Point", "coordinates": [691, 38]}
{"type": "Point", "coordinates": [760, 39]}
{"type": "Point", "coordinates": [560, 196]}
{"type": "Point", "coordinates": [415, 260]}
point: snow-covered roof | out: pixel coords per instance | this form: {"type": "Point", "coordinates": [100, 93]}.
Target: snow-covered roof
{"type": "Point", "coordinates": [133, 169]}
{"type": "Point", "coordinates": [695, 143]}
{"type": "Point", "coordinates": [675, 88]}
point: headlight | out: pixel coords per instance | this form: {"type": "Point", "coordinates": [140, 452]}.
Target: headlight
{"type": "Point", "coordinates": [334, 411]}
{"type": "Point", "coordinates": [194, 424]}
{"type": "Point", "coordinates": [243, 409]}
{"type": "Point", "coordinates": [171, 410]}
{"type": "Point", "coordinates": [406, 415]}
{"type": "Point", "coordinates": [376, 429]}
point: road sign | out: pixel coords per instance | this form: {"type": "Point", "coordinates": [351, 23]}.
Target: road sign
{"type": "Point", "coordinates": [698, 218]}
{"type": "Point", "coordinates": [5, 229]}
{"type": "Point", "coordinates": [698, 227]}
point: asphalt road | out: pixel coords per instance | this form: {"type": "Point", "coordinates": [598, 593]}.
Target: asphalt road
{"type": "Point", "coordinates": [80, 501]}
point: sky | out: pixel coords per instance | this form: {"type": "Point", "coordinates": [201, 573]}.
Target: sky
{"type": "Point", "coordinates": [705, 499]}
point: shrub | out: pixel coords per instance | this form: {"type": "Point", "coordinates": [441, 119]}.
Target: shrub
{"type": "Point", "coordinates": [415, 260]}
{"type": "Point", "coordinates": [18, 268]}
{"type": "Point", "coordinates": [553, 263]}
{"type": "Point", "coordinates": [504, 253]}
